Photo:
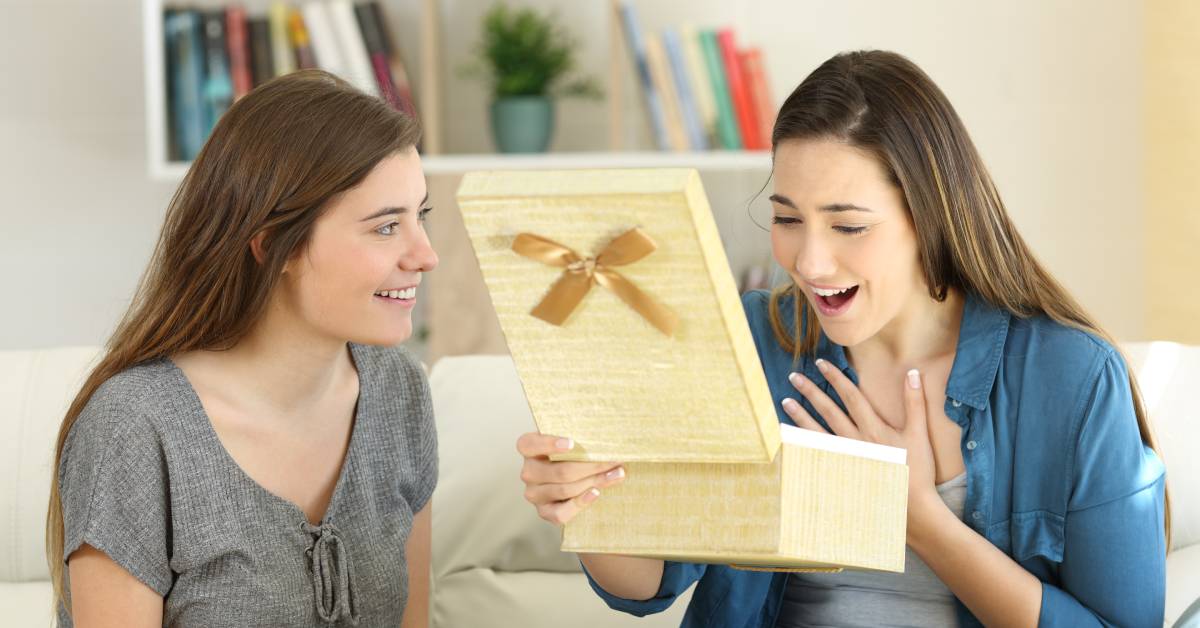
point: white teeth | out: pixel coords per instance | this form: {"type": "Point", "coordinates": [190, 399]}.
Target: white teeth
{"type": "Point", "coordinates": [408, 293]}
{"type": "Point", "coordinates": [828, 293]}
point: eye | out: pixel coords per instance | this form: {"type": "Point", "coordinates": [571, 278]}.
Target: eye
{"type": "Point", "coordinates": [388, 229]}
{"type": "Point", "coordinates": [785, 220]}
{"type": "Point", "coordinates": [850, 230]}
{"type": "Point", "coordinates": [424, 213]}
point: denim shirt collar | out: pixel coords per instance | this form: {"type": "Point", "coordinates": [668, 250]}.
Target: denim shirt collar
{"type": "Point", "coordinates": [981, 338]}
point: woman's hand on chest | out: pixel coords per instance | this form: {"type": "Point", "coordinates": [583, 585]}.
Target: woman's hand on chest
{"type": "Point", "coordinates": [924, 425]}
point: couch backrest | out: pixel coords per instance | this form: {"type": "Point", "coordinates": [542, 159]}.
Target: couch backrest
{"type": "Point", "coordinates": [1169, 374]}
{"type": "Point", "coordinates": [35, 389]}
{"type": "Point", "coordinates": [482, 521]}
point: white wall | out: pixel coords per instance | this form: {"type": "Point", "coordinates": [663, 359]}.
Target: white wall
{"type": "Point", "coordinates": [1050, 90]}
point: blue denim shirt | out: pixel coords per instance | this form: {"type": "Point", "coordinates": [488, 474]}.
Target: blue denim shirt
{"type": "Point", "coordinates": [1057, 474]}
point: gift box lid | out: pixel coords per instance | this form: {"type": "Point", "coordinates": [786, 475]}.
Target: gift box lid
{"type": "Point", "coordinates": [621, 313]}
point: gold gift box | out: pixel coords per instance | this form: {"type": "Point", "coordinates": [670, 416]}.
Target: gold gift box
{"type": "Point", "coordinates": [623, 319]}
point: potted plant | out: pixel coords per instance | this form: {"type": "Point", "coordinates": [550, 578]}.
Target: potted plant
{"type": "Point", "coordinates": [527, 59]}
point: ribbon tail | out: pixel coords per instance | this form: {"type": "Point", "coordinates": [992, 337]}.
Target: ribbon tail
{"type": "Point", "coordinates": [626, 248]}
{"type": "Point", "coordinates": [562, 299]}
{"type": "Point", "coordinates": [657, 314]}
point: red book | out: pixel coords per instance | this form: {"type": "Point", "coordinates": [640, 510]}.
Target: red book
{"type": "Point", "coordinates": [239, 51]}
{"type": "Point", "coordinates": [755, 74]}
{"type": "Point", "coordinates": [739, 92]}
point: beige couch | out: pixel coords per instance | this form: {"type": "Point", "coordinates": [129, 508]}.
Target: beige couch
{"type": "Point", "coordinates": [495, 563]}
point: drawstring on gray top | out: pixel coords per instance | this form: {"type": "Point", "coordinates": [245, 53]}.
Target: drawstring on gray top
{"type": "Point", "coordinates": [332, 574]}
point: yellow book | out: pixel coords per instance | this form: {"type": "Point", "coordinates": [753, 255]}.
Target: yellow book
{"type": "Point", "coordinates": [626, 328]}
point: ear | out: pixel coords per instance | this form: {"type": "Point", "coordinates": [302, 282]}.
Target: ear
{"type": "Point", "coordinates": [256, 247]}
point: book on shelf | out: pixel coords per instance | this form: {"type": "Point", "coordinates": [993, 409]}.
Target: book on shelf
{"type": "Point", "coordinates": [760, 92]}
{"type": "Point", "coordinates": [637, 52]}
{"type": "Point", "coordinates": [615, 281]}
{"type": "Point", "coordinates": [739, 93]}
{"type": "Point", "coordinates": [727, 128]}
{"type": "Point", "coordinates": [283, 55]}
{"type": "Point", "coordinates": [701, 90]}
{"type": "Point", "coordinates": [692, 123]}
{"type": "Point", "coordinates": [214, 57]}
{"type": "Point", "coordinates": [660, 76]}
{"type": "Point", "coordinates": [700, 83]}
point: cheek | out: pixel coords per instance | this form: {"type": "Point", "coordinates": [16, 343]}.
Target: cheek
{"type": "Point", "coordinates": [783, 249]}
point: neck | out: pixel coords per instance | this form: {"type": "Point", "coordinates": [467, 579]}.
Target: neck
{"type": "Point", "coordinates": [925, 331]}
{"type": "Point", "coordinates": [291, 365]}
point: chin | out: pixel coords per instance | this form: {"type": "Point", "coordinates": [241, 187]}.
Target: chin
{"type": "Point", "coordinates": [383, 337]}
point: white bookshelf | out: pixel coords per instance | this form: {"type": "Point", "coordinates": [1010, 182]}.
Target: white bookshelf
{"type": "Point", "coordinates": [428, 92]}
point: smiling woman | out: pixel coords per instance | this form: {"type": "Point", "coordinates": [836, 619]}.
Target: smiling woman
{"type": "Point", "coordinates": [253, 449]}
{"type": "Point", "coordinates": [917, 317]}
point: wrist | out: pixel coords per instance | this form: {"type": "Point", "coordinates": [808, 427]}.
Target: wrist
{"type": "Point", "coordinates": [928, 516]}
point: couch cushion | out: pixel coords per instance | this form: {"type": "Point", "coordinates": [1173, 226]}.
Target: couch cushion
{"type": "Point", "coordinates": [490, 549]}
{"type": "Point", "coordinates": [1183, 581]}
{"type": "Point", "coordinates": [1168, 374]}
{"type": "Point", "coordinates": [35, 389]}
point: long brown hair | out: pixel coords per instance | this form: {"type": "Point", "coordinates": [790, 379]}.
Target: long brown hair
{"type": "Point", "coordinates": [270, 166]}
{"type": "Point", "coordinates": [884, 104]}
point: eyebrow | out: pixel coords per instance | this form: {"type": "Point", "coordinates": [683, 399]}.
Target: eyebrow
{"type": "Point", "coordinates": [833, 207]}
{"type": "Point", "coordinates": [394, 210]}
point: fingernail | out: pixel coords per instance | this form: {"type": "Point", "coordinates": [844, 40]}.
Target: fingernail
{"type": "Point", "coordinates": [617, 473]}
{"type": "Point", "coordinates": [789, 403]}
{"type": "Point", "coordinates": [914, 379]}
{"type": "Point", "coordinates": [796, 379]}
{"type": "Point", "coordinates": [822, 365]}
{"type": "Point", "coordinates": [564, 444]}
{"type": "Point", "coordinates": [590, 496]}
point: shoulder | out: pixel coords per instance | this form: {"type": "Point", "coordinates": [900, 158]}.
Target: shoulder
{"type": "Point", "coordinates": [130, 408]}
{"type": "Point", "coordinates": [1076, 359]}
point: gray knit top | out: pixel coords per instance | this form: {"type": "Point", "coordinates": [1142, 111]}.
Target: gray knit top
{"type": "Point", "coordinates": [145, 479]}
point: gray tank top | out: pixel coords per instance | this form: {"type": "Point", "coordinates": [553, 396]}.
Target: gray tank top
{"type": "Point", "coordinates": [870, 599]}
{"type": "Point", "coordinates": [145, 480]}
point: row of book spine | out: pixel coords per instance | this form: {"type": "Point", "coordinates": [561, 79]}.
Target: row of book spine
{"type": "Point", "coordinates": [701, 91]}
{"type": "Point", "coordinates": [214, 57]}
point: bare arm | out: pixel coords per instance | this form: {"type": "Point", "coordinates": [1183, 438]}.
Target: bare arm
{"type": "Point", "coordinates": [997, 590]}
{"type": "Point", "coordinates": [630, 577]}
{"type": "Point", "coordinates": [104, 595]}
{"type": "Point", "coordinates": [418, 551]}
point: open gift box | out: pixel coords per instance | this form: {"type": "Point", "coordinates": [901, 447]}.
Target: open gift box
{"type": "Point", "coordinates": [628, 333]}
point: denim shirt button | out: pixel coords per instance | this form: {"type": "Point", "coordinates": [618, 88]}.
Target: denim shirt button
{"type": "Point", "coordinates": [977, 515]}
{"type": "Point", "coordinates": [971, 445]}
{"type": "Point", "coordinates": [956, 403]}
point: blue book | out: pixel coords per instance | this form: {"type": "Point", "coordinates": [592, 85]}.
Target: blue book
{"type": "Point", "coordinates": [218, 86]}
{"type": "Point", "coordinates": [687, 100]}
{"type": "Point", "coordinates": [185, 61]}
{"type": "Point", "coordinates": [637, 49]}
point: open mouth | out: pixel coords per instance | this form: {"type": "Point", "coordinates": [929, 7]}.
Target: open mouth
{"type": "Point", "coordinates": [834, 302]}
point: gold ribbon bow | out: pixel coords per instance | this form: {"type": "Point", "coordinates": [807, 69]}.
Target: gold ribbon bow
{"type": "Point", "coordinates": [575, 282]}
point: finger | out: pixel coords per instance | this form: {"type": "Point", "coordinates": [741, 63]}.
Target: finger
{"type": "Point", "coordinates": [540, 471]}
{"type": "Point", "coordinates": [833, 415]}
{"type": "Point", "coordinates": [560, 513]}
{"type": "Point", "coordinates": [861, 411]}
{"type": "Point", "coordinates": [533, 445]}
{"type": "Point", "coordinates": [915, 417]}
{"type": "Point", "coordinates": [801, 417]}
{"type": "Point", "coordinates": [538, 494]}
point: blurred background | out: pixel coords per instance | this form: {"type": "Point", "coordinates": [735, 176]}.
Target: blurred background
{"type": "Point", "coordinates": [1084, 111]}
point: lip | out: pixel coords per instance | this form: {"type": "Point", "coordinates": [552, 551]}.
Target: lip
{"type": "Point", "coordinates": [406, 304]}
{"type": "Point", "coordinates": [399, 288]}
{"type": "Point", "coordinates": [830, 312]}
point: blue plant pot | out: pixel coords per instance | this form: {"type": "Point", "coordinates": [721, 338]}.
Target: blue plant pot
{"type": "Point", "coordinates": [522, 124]}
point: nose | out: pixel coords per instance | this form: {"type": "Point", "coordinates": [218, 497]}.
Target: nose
{"type": "Point", "coordinates": [814, 259]}
{"type": "Point", "coordinates": [419, 255]}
